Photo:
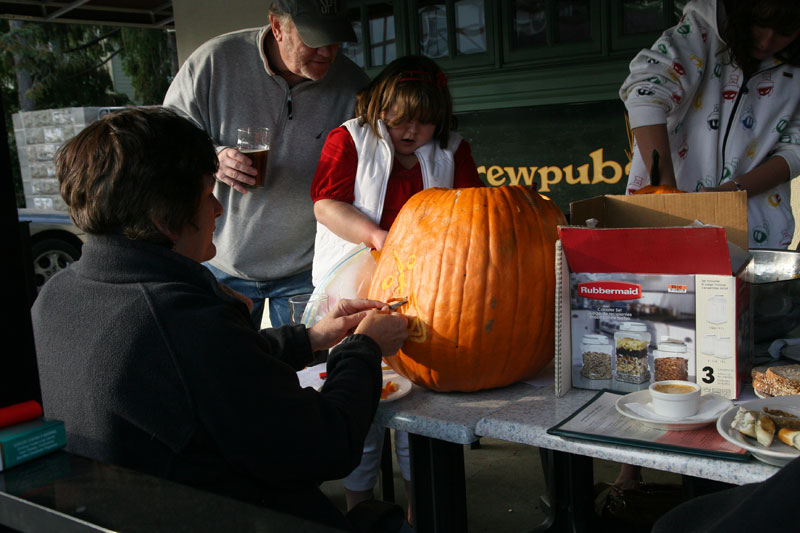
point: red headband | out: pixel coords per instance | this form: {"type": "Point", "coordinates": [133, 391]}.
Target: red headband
{"type": "Point", "coordinates": [414, 75]}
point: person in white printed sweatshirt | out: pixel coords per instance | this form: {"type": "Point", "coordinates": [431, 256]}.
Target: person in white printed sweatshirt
{"type": "Point", "coordinates": [718, 97]}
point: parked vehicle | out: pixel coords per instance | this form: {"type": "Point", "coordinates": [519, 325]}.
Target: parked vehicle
{"type": "Point", "coordinates": [55, 242]}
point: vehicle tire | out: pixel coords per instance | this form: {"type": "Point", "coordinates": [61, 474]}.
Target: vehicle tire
{"type": "Point", "coordinates": [51, 256]}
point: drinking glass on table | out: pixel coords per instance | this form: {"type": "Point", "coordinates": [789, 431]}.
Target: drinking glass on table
{"type": "Point", "coordinates": [254, 143]}
{"type": "Point", "coordinates": [308, 309]}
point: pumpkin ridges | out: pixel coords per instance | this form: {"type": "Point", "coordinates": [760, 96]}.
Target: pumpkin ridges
{"type": "Point", "coordinates": [422, 362]}
{"type": "Point", "coordinates": [446, 301]}
{"type": "Point", "coordinates": [493, 239]}
{"type": "Point", "coordinates": [482, 276]}
{"type": "Point", "coordinates": [515, 238]}
{"type": "Point", "coordinates": [399, 235]}
{"type": "Point", "coordinates": [453, 332]}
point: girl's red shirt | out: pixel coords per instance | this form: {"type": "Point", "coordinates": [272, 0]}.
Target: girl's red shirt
{"type": "Point", "coordinates": [336, 175]}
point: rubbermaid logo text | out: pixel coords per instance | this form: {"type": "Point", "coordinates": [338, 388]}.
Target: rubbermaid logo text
{"type": "Point", "coordinates": [610, 290]}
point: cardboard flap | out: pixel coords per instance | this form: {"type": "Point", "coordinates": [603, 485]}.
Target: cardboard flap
{"type": "Point", "coordinates": [687, 250]}
{"type": "Point", "coordinates": [726, 209]}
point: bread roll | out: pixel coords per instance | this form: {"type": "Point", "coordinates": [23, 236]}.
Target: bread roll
{"type": "Point", "coordinates": [745, 422]}
{"type": "Point", "coordinates": [765, 430]}
{"type": "Point", "coordinates": [790, 437]}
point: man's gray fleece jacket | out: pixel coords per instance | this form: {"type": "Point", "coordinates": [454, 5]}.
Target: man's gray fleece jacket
{"type": "Point", "coordinates": [226, 84]}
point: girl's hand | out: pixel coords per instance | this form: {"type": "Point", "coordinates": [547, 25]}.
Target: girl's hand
{"type": "Point", "coordinates": [377, 239]}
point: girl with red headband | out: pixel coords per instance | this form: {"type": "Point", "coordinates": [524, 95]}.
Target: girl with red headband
{"type": "Point", "coordinates": [400, 143]}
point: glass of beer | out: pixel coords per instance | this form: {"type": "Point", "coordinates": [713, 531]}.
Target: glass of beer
{"type": "Point", "coordinates": [254, 143]}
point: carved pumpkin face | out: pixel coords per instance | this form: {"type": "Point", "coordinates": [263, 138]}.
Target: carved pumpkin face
{"type": "Point", "coordinates": [478, 268]}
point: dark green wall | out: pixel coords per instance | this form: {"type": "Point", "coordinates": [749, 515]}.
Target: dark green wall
{"type": "Point", "coordinates": [551, 136]}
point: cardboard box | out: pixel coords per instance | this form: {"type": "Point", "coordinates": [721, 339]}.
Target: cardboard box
{"type": "Point", "coordinates": [725, 209]}
{"type": "Point", "coordinates": [638, 303]}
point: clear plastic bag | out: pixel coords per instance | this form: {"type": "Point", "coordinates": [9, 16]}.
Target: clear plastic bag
{"type": "Point", "coordinates": [350, 277]}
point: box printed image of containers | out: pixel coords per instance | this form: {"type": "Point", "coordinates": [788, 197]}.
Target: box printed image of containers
{"type": "Point", "coordinates": [672, 302]}
{"type": "Point", "coordinates": [631, 329]}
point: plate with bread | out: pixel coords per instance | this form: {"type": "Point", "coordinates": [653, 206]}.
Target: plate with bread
{"type": "Point", "coordinates": [769, 428]}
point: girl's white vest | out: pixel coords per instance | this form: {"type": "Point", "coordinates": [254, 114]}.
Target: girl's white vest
{"type": "Point", "coordinates": [375, 160]}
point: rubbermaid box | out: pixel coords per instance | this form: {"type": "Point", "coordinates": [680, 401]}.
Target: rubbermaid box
{"type": "Point", "coordinates": [635, 304]}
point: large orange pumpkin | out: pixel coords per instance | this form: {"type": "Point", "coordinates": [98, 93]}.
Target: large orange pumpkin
{"type": "Point", "coordinates": [478, 268]}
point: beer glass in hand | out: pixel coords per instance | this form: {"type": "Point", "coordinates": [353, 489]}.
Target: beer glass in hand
{"type": "Point", "coordinates": [254, 143]}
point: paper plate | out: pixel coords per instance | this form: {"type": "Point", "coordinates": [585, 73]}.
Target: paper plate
{"type": "Point", "coordinates": [404, 386]}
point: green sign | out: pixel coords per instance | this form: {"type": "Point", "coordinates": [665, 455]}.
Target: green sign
{"type": "Point", "coordinates": [567, 152]}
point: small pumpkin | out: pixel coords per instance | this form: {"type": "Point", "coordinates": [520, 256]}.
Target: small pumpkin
{"type": "Point", "coordinates": [478, 268]}
{"type": "Point", "coordinates": [655, 186]}
{"type": "Point", "coordinates": [658, 189]}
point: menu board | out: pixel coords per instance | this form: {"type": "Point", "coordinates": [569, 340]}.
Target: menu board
{"type": "Point", "coordinates": [599, 420]}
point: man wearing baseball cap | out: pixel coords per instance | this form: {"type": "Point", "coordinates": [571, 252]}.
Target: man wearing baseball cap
{"type": "Point", "coordinates": [290, 77]}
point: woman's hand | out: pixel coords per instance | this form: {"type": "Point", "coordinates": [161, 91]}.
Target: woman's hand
{"type": "Point", "coordinates": [387, 328]}
{"type": "Point", "coordinates": [348, 315]}
{"type": "Point", "coordinates": [235, 169]}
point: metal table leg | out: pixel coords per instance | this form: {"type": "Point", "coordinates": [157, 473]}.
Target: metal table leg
{"type": "Point", "coordinates": [440, 494]}
{"type": "Point", "coordinates": [569, 500]}
{"type": "Point", "coordinates": [387, 470]}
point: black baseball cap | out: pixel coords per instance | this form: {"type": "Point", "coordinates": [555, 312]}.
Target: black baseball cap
{"type": "Point", "coordinates": [319, 22]}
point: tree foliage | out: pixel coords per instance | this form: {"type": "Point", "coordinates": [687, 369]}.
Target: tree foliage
{"type": "Point", "coordinates": [146, 58]}
{"type": "Point", "coordinates": [66, 63]}
{"type": "Point", "coordinates": [54, 65]}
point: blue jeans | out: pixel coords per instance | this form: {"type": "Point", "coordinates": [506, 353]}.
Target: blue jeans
{"type": "Point", "coordinates": [277, 290]}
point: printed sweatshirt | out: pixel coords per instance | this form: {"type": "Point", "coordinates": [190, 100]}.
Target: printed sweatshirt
{"type": "Point", "coordinates": [721, 123]}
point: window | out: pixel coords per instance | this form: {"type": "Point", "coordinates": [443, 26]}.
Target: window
{"type": "Point", "coordinates": [636, 23]}
{"type": "Point", "coordinates": [469, 28]}
{"type": "Point", "coordinates": [640, 16]}
{"type": "Point", "coordinates": [375, 28]}
{"type": "Point", "coordinates": [453, 32]}
{"type": "Point", "coordinates": [547, 29]}
{"type": "Point", "coordinates": [535, 26]}
{"type": "Point", "coordinates": [529, 24]}
{"type": "Point", "coordinates": [382, 43]}
{"type": "Point", "coordinates": [494, 50]}
{"type": "Point", "coordinates": [433, 29]}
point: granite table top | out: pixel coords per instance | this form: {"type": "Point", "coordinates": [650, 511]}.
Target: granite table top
{"type": "Point", "coordinates": [527, 420]}
{"type": "Point", "coordinates": [523, 412]}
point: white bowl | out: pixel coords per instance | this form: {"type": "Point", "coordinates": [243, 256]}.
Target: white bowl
{"type": "Point", "coordinates": [677, 404]}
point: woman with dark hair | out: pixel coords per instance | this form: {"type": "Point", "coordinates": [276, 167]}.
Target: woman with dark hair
{"type": "Point", "coordinates": [718, 98]}
{"type": "Point", "coordinates": [155, 366]}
